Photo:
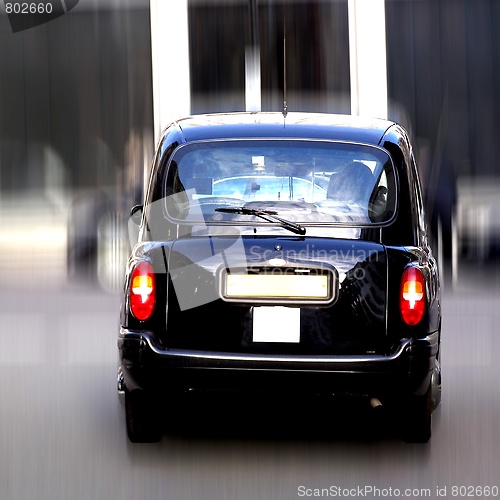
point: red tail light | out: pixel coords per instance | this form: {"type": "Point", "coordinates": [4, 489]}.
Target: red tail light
{"type": "Point", "coordinates": [412, 297]}
{"type": "Point", "coordinates": [142, 291]}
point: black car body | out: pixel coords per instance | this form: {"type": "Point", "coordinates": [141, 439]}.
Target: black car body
{"type": "Point", "coordinates": [285, 253]}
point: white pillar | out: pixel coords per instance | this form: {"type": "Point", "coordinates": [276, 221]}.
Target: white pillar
{"type": "Point", "coordinates": [252, 79]}
{"type": "Point", "coordinates": [367, 55]}
{"type": "Point", "coordinates": [170, 62]}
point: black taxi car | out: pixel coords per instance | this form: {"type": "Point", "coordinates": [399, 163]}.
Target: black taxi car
{"type": "Point", "coordinates": [281, 253]}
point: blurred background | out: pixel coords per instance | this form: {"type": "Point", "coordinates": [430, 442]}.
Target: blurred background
{"type": "Point", "coordinates": [77, 130]}
{"type": "Point", "coordinates": [83, 99]}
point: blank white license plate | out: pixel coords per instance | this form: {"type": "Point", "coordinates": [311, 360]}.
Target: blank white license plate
{"type": "Point", "coordinates": [276, 324]}
{"type": "Point", "coordinates": [277, 286]}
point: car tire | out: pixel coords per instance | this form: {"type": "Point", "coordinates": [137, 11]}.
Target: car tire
{"type": "Point", "coordinates": [142, 417]}
{"type": "Point", "coordinates": [417, 418]}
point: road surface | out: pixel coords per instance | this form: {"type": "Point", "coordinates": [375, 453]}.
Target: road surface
{"type": "Point", "coordinates": [63, 437]}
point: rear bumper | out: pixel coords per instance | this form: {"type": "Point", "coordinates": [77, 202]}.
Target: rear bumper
{"type": "Point", "coordinates": [147, 365]}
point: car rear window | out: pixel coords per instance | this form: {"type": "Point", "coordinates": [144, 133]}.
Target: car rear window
{"type": "Point", "coordinates": [313, 182]}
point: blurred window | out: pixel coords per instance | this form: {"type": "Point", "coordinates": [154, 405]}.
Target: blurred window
{"type": "Point", "coordinates": [311, 181]}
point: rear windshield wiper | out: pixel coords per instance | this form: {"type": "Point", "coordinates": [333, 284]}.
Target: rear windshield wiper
{"type": "Point", "coordinates": [267, 215]}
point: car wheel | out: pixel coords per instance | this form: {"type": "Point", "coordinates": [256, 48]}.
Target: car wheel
{"type": "Point", "coordinates": [142, 417]}
{"type": "Point", "coordinates": [417, 418]}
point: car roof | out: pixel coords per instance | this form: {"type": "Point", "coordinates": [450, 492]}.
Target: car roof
{"type": "Point", "coordinates": [274, 125]}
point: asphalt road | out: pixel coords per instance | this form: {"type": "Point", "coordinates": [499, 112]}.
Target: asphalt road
{"type": "Point", "coordinates": [62, 430]}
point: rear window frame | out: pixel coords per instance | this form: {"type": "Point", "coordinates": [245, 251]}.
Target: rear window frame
{"type": "Point", "coordinates": [256, 222]}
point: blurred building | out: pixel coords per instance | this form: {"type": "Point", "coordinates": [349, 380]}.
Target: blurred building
{"type": "Point", "coordinates": [76, 107]}
{"type": "Point", "coordinates": [75, 123]}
